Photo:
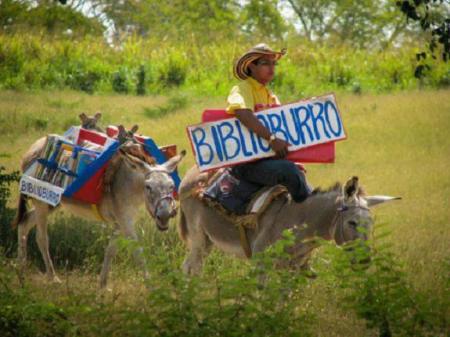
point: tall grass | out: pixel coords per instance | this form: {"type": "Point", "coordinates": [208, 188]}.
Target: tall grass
{"type": "Point", "coordinates": [91, 65]}
{"type": "Point", "coordinates": [397, 145]}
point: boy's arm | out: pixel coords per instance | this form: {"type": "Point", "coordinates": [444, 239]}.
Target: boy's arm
{"type": "Point", "coordinates": [247, 117]}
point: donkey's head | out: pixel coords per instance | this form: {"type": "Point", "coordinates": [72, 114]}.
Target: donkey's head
{"type": "Point", "coordinates": [90, 123]}
{"type": "Point", "coordinates": [353, 218]}
{"type": "Point", "coordinates": [158, 187]}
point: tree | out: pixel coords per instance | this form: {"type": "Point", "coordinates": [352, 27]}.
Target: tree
{"type": "Point", "coordinates": [46, 15]}
{"type": "Point", "coordinates": [363, 23]}
{"type": "Point", "coordinates": [172, 19]}
{"type": "Point", "coordinates": [262, 17]}
{"type": "Point", "coordinates": [434, 18]}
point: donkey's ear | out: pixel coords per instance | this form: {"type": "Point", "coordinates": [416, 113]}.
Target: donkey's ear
{"type": "Point", "coordinates": [122, 132]}
{"type": "Point", "coordinates": [134, 128]}
{"type": "Point", "coordinates": [173, 162]}
{"type": "Point", "coordinates": [83, 117]}
{"type": "Point", "coordinates": [374, 200]}
{"type": "Point", "coordinates": [97, 116]}
{"type": "Point", "coordinates": [351, 187]}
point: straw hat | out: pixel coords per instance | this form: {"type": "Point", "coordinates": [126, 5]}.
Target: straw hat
{"type": "Point", "coordinates": [241, 70]}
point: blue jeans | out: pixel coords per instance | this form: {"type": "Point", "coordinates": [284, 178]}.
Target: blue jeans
{"type": "Point", "coordinates": [271, 172]}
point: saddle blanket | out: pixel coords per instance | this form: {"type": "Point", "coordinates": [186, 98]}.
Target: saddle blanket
{"type": "Point", "coordinates": [240, 201]}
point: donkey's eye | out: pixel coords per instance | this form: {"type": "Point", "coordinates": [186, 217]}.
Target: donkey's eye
{"type": "Point", "coordinates": [148, 188]}
{"type": "Point", "coordinates": [352, 223]}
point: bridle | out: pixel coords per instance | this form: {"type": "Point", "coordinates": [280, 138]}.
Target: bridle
{"type": "Point", "coordinates": [169, 196]}
{"type": "Point", "coordinates": [158, 169]}
{"type": "Point", "coordinates": [338, 220]}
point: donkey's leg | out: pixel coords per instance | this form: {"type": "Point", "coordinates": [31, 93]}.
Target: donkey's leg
{"type": "Point", "coordinates": [128, 231]}
{"type": "Point", "coordinates": [23, 229]}
{"type": "Point", "coordinates": [300, 255]}
{"type": "Point", "coordinates": [42, 211]}
{"type": "Point", "coordinates": [110, 253]}
{"type": "Point", "coordinates": [200, 246]}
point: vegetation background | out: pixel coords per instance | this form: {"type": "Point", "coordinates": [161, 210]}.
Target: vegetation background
{"type": "Point", "coordinates": [160, 64]}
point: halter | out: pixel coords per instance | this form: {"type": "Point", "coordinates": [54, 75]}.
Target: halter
{"type": "Point", "coordinates": [339, 216]}
{"type": "Point", "coordinates": [169, 196]}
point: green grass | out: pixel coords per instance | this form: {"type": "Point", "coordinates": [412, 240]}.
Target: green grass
{"type": "Point", "coordinates": [397, 144]}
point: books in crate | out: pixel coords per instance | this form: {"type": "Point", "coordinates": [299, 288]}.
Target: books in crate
{"type": "Point", "coordinates": [59, 164]}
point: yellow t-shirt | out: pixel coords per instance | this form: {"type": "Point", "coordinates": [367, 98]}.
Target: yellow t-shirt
{"type": "Point", "coordinates": [250, 94]}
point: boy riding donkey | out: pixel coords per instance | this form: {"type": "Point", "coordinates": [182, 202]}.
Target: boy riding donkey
{"type": "Point", "coordinates": [256, 69]}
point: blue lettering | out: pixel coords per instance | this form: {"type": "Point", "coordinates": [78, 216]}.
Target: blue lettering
{"type": "Point", "coordinates": [217, 143]}
{"type": "Point", "coordinates": [200, 143]}
{"type": "Point", "coordinates": [241, 135]}
{"type": "Point", "coordinates": [254, 144]}
{"type": "Point", "coordinates": [227, 138]}
{"type": "Point", "coordinates": [318, 118]}
{"type": "Point", "coordinates": [263, 147]}
{"type": "Point", "coordinates": [302, 123]}
{"type": "Point", "coordinates": [338, 120]}
{"type": "Point", "coordinates": [291, 140]}
{"type": "Point", "coordinates": [275, 125]}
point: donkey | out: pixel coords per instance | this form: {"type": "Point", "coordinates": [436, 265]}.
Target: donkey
{"type": "Point", "coordinates": [90, 123]}
{"type": "Point", "coordinates": [338, 213]}
{"type": "Point", "coordinates": [134, 182]}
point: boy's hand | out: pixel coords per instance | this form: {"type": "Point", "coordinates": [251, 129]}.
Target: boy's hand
{"type": "Point", "coordinates": [280, 147]}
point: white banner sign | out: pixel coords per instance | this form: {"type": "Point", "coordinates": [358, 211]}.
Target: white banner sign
{"type": "Point", "coordinates": [301, 124]}
{"type": "Point", "coordinates": [41, 190]}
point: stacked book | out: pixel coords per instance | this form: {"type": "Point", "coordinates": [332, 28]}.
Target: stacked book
{"type": "Point", "coordinates": [61, 161]}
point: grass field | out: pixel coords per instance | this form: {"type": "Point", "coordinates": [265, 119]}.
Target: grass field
{"type": "Point", "coordinates": [398, 144]}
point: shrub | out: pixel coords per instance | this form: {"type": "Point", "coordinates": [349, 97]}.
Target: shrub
{"type": "Point", "coordinates": [380, 292]}
{"type": "Point", "coordinates": [173, 71]}
{"type": "Point", "coordinates": [141, 81]}
{"type": "Point", "coordinates": [119, 82]}
{"type": "Point", "coordinates": [8, 237]}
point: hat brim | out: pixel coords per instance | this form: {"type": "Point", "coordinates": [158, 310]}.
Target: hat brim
{"type": "Point", "coordinates": [240, 69]}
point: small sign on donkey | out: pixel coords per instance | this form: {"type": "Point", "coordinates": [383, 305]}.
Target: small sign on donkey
{"type": "Point", "coordinates": [302, 124]}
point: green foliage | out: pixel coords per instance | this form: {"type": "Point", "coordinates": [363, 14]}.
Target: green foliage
{"type": "Point", "coordinates": [173, 71]}
{"type": "Point", "coordinates": [74, 243]}
{"type": "Point", "coordinates": [91, 65]}
{"type": "Point", "coordinates": [361, 24]}
{"type": "Point", "coordinates": [433, 17]}
{"type": "Point", "coordinates": [119, 82]}
{"type": "Point", "coordinates": [141, 81]}
{"type": "Point", "coordinates": [23, 316]}
{"type": "Point", "coordinates": [47, 16]}
{"type": "Point", "coordinates": [379, 291]}
{"type": "Point", "coordinates": [8, 237]}
{"type": "Point", "coordinates": [195, 20]}
{"type": "Point", "coordinates": [233, 302]}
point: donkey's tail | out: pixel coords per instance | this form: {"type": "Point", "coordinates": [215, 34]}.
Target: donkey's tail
{"type": "Point", "coordinates": [182, 226]}
{"type": "Point", "coordinates": [21, 211]}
